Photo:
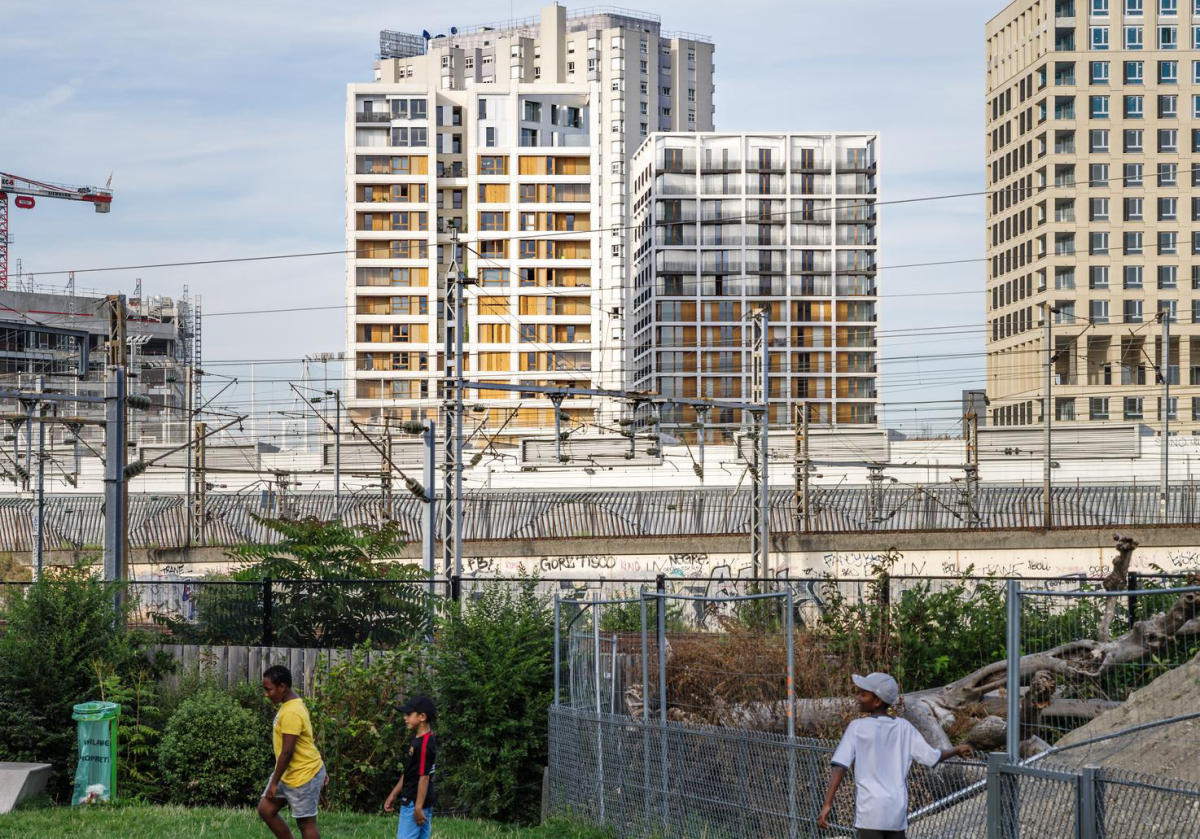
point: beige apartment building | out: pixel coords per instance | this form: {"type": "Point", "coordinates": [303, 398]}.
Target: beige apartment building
{"type": "Point", "coordinates": [730, 224]}
{"type": "Point", "coordinates": [1093, 111]}
{"type": "Point", "coordinates": [518, 135]}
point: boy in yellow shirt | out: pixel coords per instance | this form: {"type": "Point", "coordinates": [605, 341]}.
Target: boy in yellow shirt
{"type": "Point", "coordinates": [299, 771]}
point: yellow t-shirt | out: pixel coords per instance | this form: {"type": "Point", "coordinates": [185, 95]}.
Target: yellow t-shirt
{"type": "Point", "coordinates": [292, 718]}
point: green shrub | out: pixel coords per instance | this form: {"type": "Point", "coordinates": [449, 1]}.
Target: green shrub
{"type": "Point", "coordinates": [627, 617]}
{"type": "Point", "coordinates": [138, 731]}
{"type": "Point", "coordinates": [214, 752]}
{"type": "Point", "coordinates": [361, 735]}
{"type": "Point", "coordinates": [492, 676]}
{"type": "Point", "coordinates": [63, 625]}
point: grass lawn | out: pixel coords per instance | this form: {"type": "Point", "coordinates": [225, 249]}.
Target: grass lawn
{"type": "Point", "coordinates": [144, 822]}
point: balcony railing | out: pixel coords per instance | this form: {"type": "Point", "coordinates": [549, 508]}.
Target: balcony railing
{"type": "Point", "coordinates": [373, 116]}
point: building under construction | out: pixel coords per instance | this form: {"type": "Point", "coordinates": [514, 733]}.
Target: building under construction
{"type": "Point", "coordinates": [47, 336]}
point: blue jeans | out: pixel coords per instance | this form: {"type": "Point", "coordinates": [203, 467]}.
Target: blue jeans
{"type": "Point", "coordinates": [409, 829]}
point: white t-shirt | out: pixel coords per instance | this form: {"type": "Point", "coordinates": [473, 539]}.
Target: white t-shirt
{"type": "Point", "coordinates": [880, 750]}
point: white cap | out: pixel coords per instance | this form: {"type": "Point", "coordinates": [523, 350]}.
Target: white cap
{"type": "Point", "coordinates": [880, 684]}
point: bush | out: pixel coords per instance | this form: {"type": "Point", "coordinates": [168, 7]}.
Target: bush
{"type": "Point", "coordinates": [360, 733]}
{"type": "Point", "coordinates": [492, 676]}
{"type": "Point", "coordinates": [55, 635]}
{"type": "Point", "coordinates": [214, 752]}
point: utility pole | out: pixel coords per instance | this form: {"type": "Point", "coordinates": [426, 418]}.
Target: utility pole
{"type": "Point", "coordinates": [1047, 408]}
{"type": "Point", "coordinates": [1164, 365]}
{"type": "Point", "coordinates": [760, 490]}
{"type": "Point", "coordinates": [971, 433]}
{"type": "Point", "coordinates": [41, 485]}
{"type": "Point", "coordinates": [201, 477]}
{"type": "Point", "coordinates": [803, 468]}
{"type": "Point", "coordinates": [385, 475]}
{"type": "Point", "coordinates": [116, 496]}
{"type": "Point", "coordinates": [452, 415]}
{"type": "Point", "coordinates": [429, 523]}
{"type": "Point", "coordinates": [337, 452]}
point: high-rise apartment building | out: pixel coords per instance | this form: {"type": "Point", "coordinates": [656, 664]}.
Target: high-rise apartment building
{"type": "Point", "coordinates": [729, 224]}
{"type": "Point", "coordinates": [1093, 212]}
{"type": "Point", "coordinates": [518, 135]}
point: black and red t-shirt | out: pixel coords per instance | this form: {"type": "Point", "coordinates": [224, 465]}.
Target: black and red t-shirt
{"type": "Point", "coordinates": [422, 760]}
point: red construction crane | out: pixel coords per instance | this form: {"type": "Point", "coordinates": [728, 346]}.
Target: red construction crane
{"type": "Point", "coordinates": [28, 192]}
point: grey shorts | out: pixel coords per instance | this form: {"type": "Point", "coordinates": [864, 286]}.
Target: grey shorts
{"type": "Point", "coordinates": [301, 800]}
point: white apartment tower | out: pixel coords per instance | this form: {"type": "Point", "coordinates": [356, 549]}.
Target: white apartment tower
{"type": "Point", "coordinates": [729, 224]}
{"type": "Point", "coordinates": [1093, 127]}
{"type": "Point", "coordinates": [518, 135]}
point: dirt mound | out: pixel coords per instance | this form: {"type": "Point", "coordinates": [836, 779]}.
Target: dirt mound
{"type": "Point", "coordinates": [1167, 750]}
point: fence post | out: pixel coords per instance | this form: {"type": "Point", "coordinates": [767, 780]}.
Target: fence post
{"type": "Point", "coordinates": [557, 650]}
{"type": "Point", "coordinates": [1013, 674]}
{"type": "Point", "coordinates": [645, 663]}
{"type": "Point", "coordinates": [661, 614]}
{"type": "Point", "coordinates": [788, 628]}
{"type": "Point", "coordinates": [645, 727]}
{"type": "Point", "coordinates": [1001, 814]}
{"type": "Point", "coordinates": [1133, 599]}
{"type": "Point", "coordinates": [599, 710]}
{"type": "Point", "coordinates": [1090, 806]}
{"type": "Point", "coordinates": [268, 627]}
{"type": "Point", "coordinates": [456, 588]}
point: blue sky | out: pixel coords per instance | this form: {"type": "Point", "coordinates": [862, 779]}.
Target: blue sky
{"type": "Point", "coordinates": [223, 126]}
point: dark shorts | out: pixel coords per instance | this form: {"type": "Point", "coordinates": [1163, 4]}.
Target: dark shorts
{"type": "Point", "coordinates": [867, 833]}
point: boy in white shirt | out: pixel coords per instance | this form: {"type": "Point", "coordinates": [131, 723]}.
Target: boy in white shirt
{"type": "Point", "coordinates": [881, 749]}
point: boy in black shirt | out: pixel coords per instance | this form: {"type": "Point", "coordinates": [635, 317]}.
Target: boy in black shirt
{"type": "Point", "coordinates": [415, 787]}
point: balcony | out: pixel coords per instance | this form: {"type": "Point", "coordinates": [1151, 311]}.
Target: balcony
{"type": "Point", "coordinates": [372, 116]}
{"type": "Point", "coordinates": [720, 165]}
{"type": "Point", "coordinates": [814, 164]}
{"type": "Point", "coordinates": [773, 165]}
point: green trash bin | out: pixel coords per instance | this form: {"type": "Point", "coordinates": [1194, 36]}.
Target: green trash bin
{"type": "Point", "coordinates": [96, 772]}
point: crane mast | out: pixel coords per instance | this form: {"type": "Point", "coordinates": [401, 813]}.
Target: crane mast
{"type": "Point", "coordinates": [27, 192]}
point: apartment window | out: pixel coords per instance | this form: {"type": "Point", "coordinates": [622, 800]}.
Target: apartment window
{"type": "Point", "coordinates": [1196, 241]}
{"type": "Point", "coordinates": [570, 67]}
{"type": "Point", "coordinates": [1064, 278]}
{"type": "Point", "coordinates": [1168, 106]}
{"type": "Point", "coordinates": [591, 65]}
{"type": "Point", "coordinates": [1168, 174]}
{"type": "Point", "coordinates": [1133, 37]}
{"type": "Point", "coordinates": [533, 111]}
{"type": "Point", "coordinates": [1133, 139]}
{"type": "Point", "coordinates": [1168, 276]}
{"type": "Point", "coordinates": [1168, 140]}
{"type": "Point", "coordinates": [1132, 276]}
{"type": "Point", "coordinates": [1196, 209]}
{"type": "Point", "coordinates": [1097, 243]}
{"type": "Point", "coordinates": [1099, 72]}
{"type": "Point", "coordinates": [1098, 276]}
{"type": "Point", "coordinates": [489, 136]}
{"type": "Point", "coordinates": [1168, 8]}
{"type": "Point", "coordinates": [528, 249]}
{"type": "Point", "coordinates": [1099, 37]}
{"type": "Point", "coordinates": [1099, 8]}
{"type": "Point", "coordinates": [1098, 139]}
{"type": "Point", "coordinates": [1098, 209]}
{"type": "Point", "coordinates": [1133, 72]}
{"type": "Point", "coordinates": [1134, 8]}
{"type": "Point", "coordinates": [1098, 408]}
{"type": "Point", "coordinates": [483, 111]}
{"type": "Point", "coordinates": [1097, 174]}
{"type": "Point", "coordinates": [1132, 174]}
{"type": "Point", "coordinates": [1196, 37]}
{"type": "Point", "coordinates": [1134, 107]}
{"type": "Point", "coordinates": [1099, 107]}
{"type": "Point", "coordinates": [1195, 113]}
{"type": "Point", "coordinates": [665, 91]}
{"type": "Point", "coordinates": [1133, 407]}
{"type": "Point", "coordinates": [1064, 408]}
{"type": "Point", "coordinates": [645, 108]}
{"type": "Point", "coordinates": [1168, 242]}
{"type": "Point", "coordinates": [645, 88]}
{"type": "Point", "coordinates": [1098, 311]}
{"type": "Point", "coordinates": [1168, 209]}
{"type": "Point", "coordinates": [691, 94]}
{"type": "Point", "coordinates": [1133, 241]}
{"type": "Point", "coordinates": [1133, 209]}
{"type": "Point", "coordinates": [1168, 37]}
{"type": "Point", "coordinates": [1133, 311]}
{"type": "Point", "coordinates": [643, 66]}
{"type": "Point", "coordinates": [1168, 72]}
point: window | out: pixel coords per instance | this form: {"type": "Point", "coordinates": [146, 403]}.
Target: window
{"type": "Point", "coordinates": [1168, 243]}
{"type": "Point", "coordinates": [1097, 174]}
{"type": "Point", "coordinates": [1099, 37]}
{"type": "Point", "coordinates": [1133, 276]}
{"type": "Point", "coordinates": [489, 136]}
{"type": "Point", "coordinates": [1132, 174]}
{"type": "Point", "coordinates": [1098, 139]}
{"type": "Point", "coordinates": [1133, 107]}
{"type": "Point", "coordinates": [1168, 276]}
{"type": "Point", "coordinates": [665, 91]}
{"type": "Point", "coordinates": [1133, 311]}
{"type": "Point", "coordinates": [1168, 140]}
{"type": "Point", "coordinates": [1098, 209]}
{"type": "Point", "coordinates": [1168, 209]}
{"type": "Point", "coordinates": [1098, 408]}
{"type": "Point", "coordinates": [1099, 8]}
{"type": "Point", "coordinates": [1168, 72]}
{"type": "Point", "coordinates": [1133, 37]}
{"type": "Point", "coordinates": [1196, 241]}
{"type": "Point", "coordinates": [483, 111]}
{"type": "Point", "coordinates": [1168, 174]}
{"type": "Point", "coordinates": [1134, 8]}
{"type": "Point", "coordinates": [1168, 105]}
{"type": "Point", "coordinates": [1168, 37]}
{"type": "Point", "coordinates": [645, 88]}
{"type": "Point", "coordinates": [492, 277]}
{"type": "Point", "coordinates": [1098, 276]}
{"type": "Point", "coordinates": [1133, 72]}
{"type": "Point", "coordinates": [643, 66]}
{"type": "Point", "coordinates": [533, 111]}
{"type": "Point", "coordinates": [1064, 408]}
{"type": "Point", "coordinates": [1133, 407]}
{"type": "Point", "coordinates": [528, 249]}
{"type": "Point", "coordinates": [1168, 8]}
{"type": "Point", "coordinates": [1134, 241]}
{"type": "Point", "coordinates": [1133, 139]}
{"type": "Point", "coordinates": [1133, 209]}
{"type": "Point", "coordinates": [1097, 243]}
{"type": "Point", "coordinates": [1195, 113]}
{"type": "Point", "coordinates": [1099, 107]}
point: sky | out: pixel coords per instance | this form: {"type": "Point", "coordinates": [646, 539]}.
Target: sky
{"type": "Point", "coordinates": [222, 124]}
